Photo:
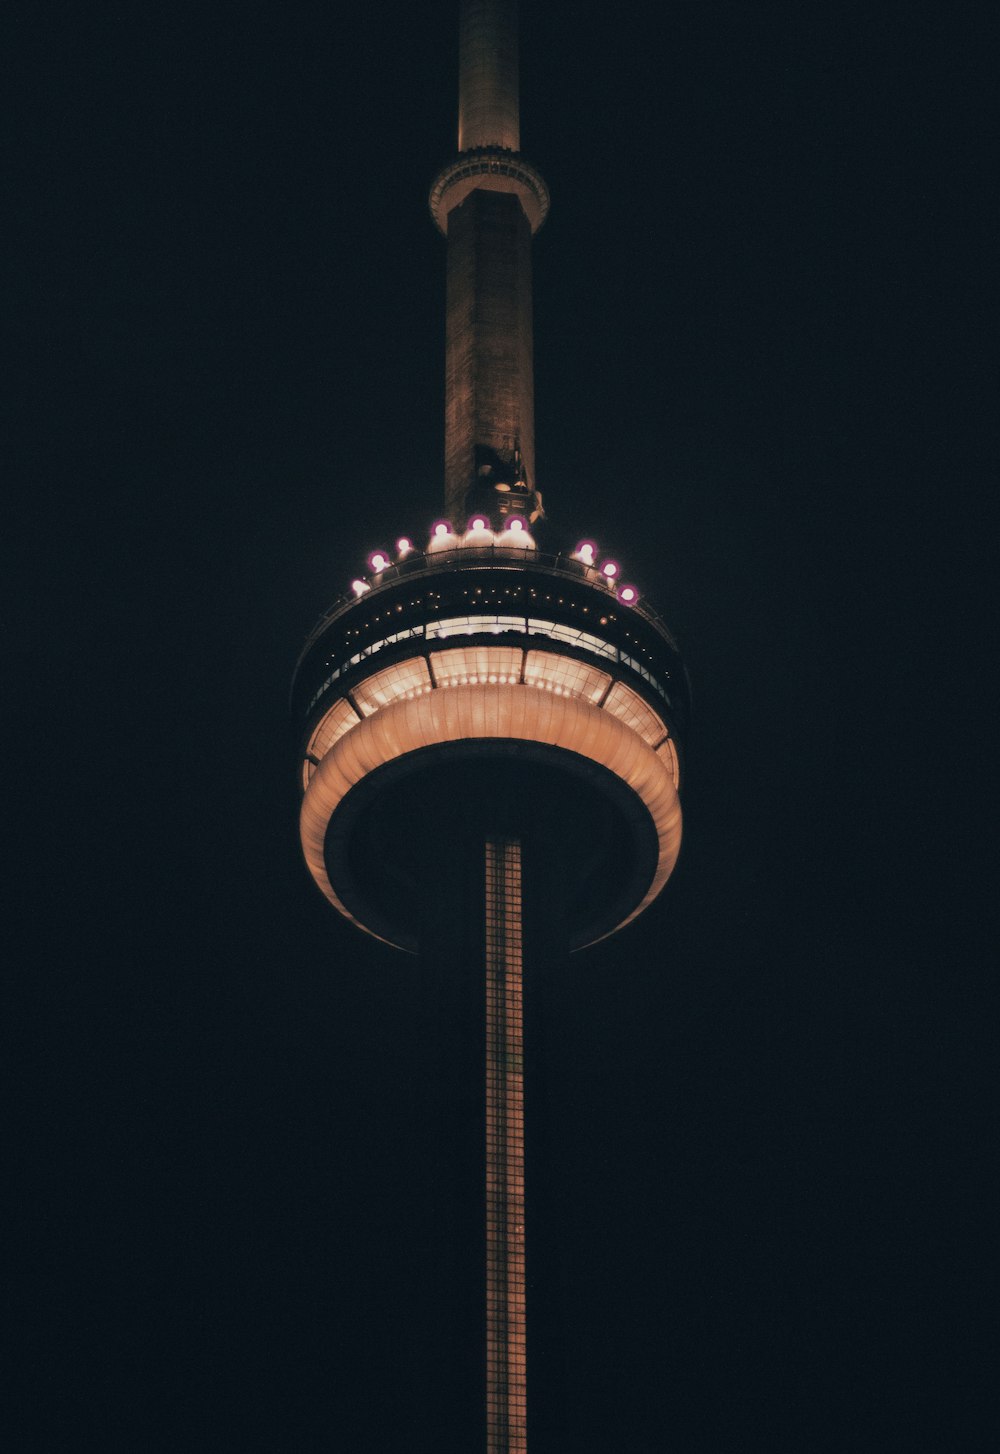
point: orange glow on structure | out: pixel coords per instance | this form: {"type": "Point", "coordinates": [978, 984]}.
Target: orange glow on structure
{"type": "Point", "coordinates": [417, 716]}
{"type": "Point", "coordinates": [506, 1341]}
{"type": "Point", "coordinates": [516, 666]}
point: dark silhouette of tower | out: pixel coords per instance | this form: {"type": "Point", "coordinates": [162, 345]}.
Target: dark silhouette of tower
{"type": "Point", "coordinates": [491, 724]}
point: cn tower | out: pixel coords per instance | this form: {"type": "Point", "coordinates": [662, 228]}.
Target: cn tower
{"type": "Point", "coordinates": [492, 720]}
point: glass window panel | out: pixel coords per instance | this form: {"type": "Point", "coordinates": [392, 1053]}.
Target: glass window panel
{"type": "Point", "coordinates": [472, 625]}
{"type": "Point", "coordinates": [340, 719]}
{"type": "Point", "coordinates": [629, 707]}
{"type": "Point", "coordinates": [595, 644]}
{"type": "Point", "coordinates": [407, 678]}
{"type": "Point", "coordinates": [477, 663]}
{"type": "Point", "coordinates": [573, 636]}
{"type": "Point", "coordinates": [458, 626]}
{"type": "Point", "coordinates": [669, 754]}
{"type": "Point", "coordinates": [565, 676]}
{"type": "Point", "coordinates": [329, 682]}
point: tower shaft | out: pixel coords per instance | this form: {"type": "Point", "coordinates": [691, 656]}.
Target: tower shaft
{"type": "Point", "coordinates": [489, 383]}
{"type": "Point", "coordinates": [488, 201]}
{"type": "Point", "coordinates": [506, 1383]}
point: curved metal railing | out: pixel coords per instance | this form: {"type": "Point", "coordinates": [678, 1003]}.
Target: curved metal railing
{"type": "Point", "coordinates": [420, 563]}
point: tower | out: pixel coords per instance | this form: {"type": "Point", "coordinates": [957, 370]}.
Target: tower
{"type": "Point", "coordinates": [492, 724]}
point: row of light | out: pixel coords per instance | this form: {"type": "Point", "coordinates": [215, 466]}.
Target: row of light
{"type": "Point", "coordinates": [442, 535]}
{"type": "Point", "coordinates": [498, 679]}
{"type": "Point", "coordinates": [586, 552]}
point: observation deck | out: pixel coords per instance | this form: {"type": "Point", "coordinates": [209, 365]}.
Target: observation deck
{"type": "Point", "coordinates": [534, 687]}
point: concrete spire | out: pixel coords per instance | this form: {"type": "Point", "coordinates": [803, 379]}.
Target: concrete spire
{"type": "Point", "coordinates": [488, 109]}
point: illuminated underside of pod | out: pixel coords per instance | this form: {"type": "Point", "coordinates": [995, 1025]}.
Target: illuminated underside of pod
{"type": "Point", "coordinates": [408, 715]}
{"type": "Point", "coordinates": [478, 686]}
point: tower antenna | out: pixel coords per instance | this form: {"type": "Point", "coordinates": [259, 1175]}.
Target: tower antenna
{"type": "Point", "coordinates": [489, 201]}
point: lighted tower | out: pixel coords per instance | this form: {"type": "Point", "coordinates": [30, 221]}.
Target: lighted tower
{"type": "Point", "coordinates": [491, 726]}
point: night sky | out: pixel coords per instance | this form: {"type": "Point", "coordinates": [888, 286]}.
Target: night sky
{"type": "Point", "coordinates": [760, 1219]}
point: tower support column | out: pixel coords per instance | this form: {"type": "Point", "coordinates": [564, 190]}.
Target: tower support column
{"type": "Point", "coordinates": [489, 380]}
{"type": "Point", "coordinates": [506, 1383]}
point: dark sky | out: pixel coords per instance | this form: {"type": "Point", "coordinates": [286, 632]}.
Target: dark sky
{"type": "Point", "coordinates": [762, 382]}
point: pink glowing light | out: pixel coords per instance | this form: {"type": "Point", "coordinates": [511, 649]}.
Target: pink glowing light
{"type": "Point", "coordinates": [442, 528]}
{"type": "Point", "coordinates": [610, 569]}
{"type": "Point", "coordinates": [628, 595]}
{"type": "Point", "coordinates": [478, 523]}
{"type": "Point", "coordinates": [378, 560]}
{"type": "Point", "coordinates": [586, 551]}
{"type": "Point", "coordinates": [515, 525]}
{"type": "Point", "coordinates": [403, 545]}
{"type": "Point", "coordinates": [359, 587]}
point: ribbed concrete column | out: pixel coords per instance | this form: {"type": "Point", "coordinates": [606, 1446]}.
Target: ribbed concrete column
{"type": "Point", "coordinates": [506, 1379]}
{"type": "Point", "coordinates": [488, 111]}
{"type": "Point", "coordinates": [489, 381]}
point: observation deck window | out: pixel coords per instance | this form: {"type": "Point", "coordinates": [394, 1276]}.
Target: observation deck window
{"type": "Point", "coordinates": [482, 624]}
{"type": "Point", "coordinates": [330, 728]}
{"type": "Point", "coordinates": [471, 625]}
{"type": "Point", "coordinates": [566, 675]}
{"type": "Point", "coordinates": [463, 664]}
{"type": "Point", "coordinates": [630, 708]}
{"type": "Point", "coordinates": [407, 679]}
{"type": "Point", "coordinates": [668, 752]}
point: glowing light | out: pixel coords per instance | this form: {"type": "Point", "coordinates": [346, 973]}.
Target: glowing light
{"type": "Point", "coordinates": [478, 523]}
{"type": "Point", "coordinates": [442, 537]}
{"type": "Point", "coordinates": [378, 560]}
{"type": "Point", "coordinates": [630, 708]}
{"type": "Point", "coordinates": [581, 727]}
{"type": "Point", "coordinates": [515, 535]}
{"type": "Point", "coordinates": [628, 595]}
{"type": "Point", "coordinates": [359, 587]}
{"type": "Point", "coordinates": [403, 545]}
{"type": "Point", "coordinates": [609, 570]}
{"type": "Point", "coordinates": [585, 551]}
